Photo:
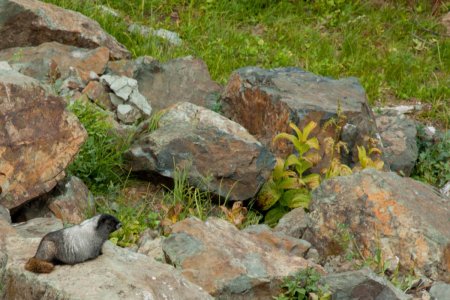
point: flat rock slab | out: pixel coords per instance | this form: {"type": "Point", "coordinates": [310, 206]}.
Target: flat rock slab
{"type": "Point", "coordinates": [231, 264]}
{"type": "Point", "coordinates": [31, 23]}
{"type": "Point", "coordinates": [265, 101]}
{"type": "Point", "coordinates": [401, 217]}
{"type": "Point", "coordinates": [117, 274]}
{"type": "Point", "coordinates": [39, 138]}
{"type": "Point", "coordinates": [179, 80]}
{"type": "Point", "coordinates": [210, 146]}
{"type": "Point", "coordinates": [51, 61]}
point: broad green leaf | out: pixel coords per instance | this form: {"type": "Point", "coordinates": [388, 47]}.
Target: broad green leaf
{"type": "Point", "coordinates": [277, 173]}
{"type": "Point", "coordinates": [307, 130]}
{"type": "Point", "coordinates": [291, 160]}
{"type": "Point", "coordinates": [289, 183]}
{"type": "Point", "coordinates": [274, 215]}
{"type": "Point", "coordinates": [302, 166]}
{"type": "Point", "coordinates": [312, 180]}
{"type": "Point", "coordinates": [288, 137]}
{"type": "Point", "coordinates": [297, 130]}
{"type": "Point", "coordinates": [313, 143]}
{"type": "Point", "coordinates": [268, 195]}
{"type": "Point", "coordinates": [296, 198]}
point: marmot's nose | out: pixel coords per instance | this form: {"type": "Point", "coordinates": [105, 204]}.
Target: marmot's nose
{"type": "Point", "coordinates": [118, 225]}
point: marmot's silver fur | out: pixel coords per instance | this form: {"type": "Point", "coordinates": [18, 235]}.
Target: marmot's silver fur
{"type": "Point", "coordinates": [74, 244]}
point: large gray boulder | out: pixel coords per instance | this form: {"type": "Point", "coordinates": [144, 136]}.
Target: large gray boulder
{"type": "Point", "coordinates": [38, 139]}
{"type": "Point", "coordinates": [405, 219]}
{"type": "Point", "coordinates": [51, 61]}
{"type": "Point", "coordinates": [183, 79]}
{"type": "Point", "coordinates": [31, 23]}
{"type": "Point", "coordinates": [211, 147]}
{"type": "Point", "coordinates": [265, 101]}
{"type": "Point", "coordinates": [116, 274]}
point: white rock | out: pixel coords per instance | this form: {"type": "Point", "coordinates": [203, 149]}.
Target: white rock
{"type": "Point", "coordinates": [4, 65]}
{"type": "Point", "coordinates": [141, 102]}
{"type": "Point", "coordinates": [170, 36]}
{"type": "Point", "coordinates": [127, 113]}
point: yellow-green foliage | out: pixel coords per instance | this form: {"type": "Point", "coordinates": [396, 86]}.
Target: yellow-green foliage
{"type": "Point", "coordinates": [289, 187]}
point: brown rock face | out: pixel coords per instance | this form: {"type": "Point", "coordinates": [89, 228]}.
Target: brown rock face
{"type": "Point", "coordinates": [179, 80]}
{"type": "Point", "coordinates": [51, 61]}
{"type": "Point", "coordinates": [231, 264]}
{"type": "Point", "coordinates": [31, 23]}
{"type": "Point", "coordinates": [265, 101]}
{"type": "Point", "coordinates": [213, 147]}
{"type": "Point", "coordinates": [400, 216]}
{"type": "Point", "coordinates": [38, 139]}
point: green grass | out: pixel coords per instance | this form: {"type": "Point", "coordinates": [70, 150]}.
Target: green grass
{"type": "Point", "coordinates": [397, 51]}
{"type": "Point", "coordinates": [100, 161]}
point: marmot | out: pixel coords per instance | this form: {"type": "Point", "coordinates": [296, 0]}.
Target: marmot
{"type": "Point", "coordinates": [74, 244]}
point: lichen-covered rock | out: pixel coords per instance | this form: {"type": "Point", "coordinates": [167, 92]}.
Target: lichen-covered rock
{"type": "Point", "coordinates": [127, 113]}
{"type": "Point", "coordinates": [405, 219]}
{"type": "Point", "coordinates": [39, 138]}
{"type": "Point", "coordinates": [398, 135]}
{"type": "Point", "coordinates": [51, 61]}
{"type": "Point", "coordinates": [265, 101]}
{"type": "Point", "coordinates": [98, 93]}
{"type": "Point", "coordinates": [210, 146]}
{"type": "Point", "coordinates": [179, 80]}
{"type": "Point", "coordinates": [362, 284]}
{"type": "Point", "coordinates": [31, 23]}
{"type": "Point", "coordinates": [228, 263]}
{"type": "Point", "coordinates": [116, 274]}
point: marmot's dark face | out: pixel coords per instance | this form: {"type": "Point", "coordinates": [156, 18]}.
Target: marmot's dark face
{"type": "Point", "coordinates": [107, 224]}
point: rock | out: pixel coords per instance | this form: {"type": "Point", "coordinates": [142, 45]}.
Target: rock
{"type": "Point", "coordinates": [265, 101]}
{"type": "Point", "coordinates": [4, 65]}
{"type": "Point", "coordinates": [4, 214]}
{"type": "Point", "coordinates": [382, 211]}
{"type": "Point", "coordinates": [313, 255]}
{"type": "Point", "coordinates": [401, 109]}
{"type": "Point", "coordinates": [362, 284]}
{"type": "Point", "coordinates": [40, 138]}
{"type": "Point", "coordinates": [108, 10]}
{"type": "Point", "coordinates": [445, 190]}
{"type": "Point", "coordinates": [152, 248]}
{"type": "Point", "coordinates": [98, 93]}
{"type": "Point", "coordinates": [31, 23]}
{"type": "Point", "coordinates": [398, 135]}
{"type": "Point", "coordinates": [440, 291]}
{"type": "Point", "coordinates": [127, 113]}
{"type": "Point", "coordinates": [170, 36]}
{"type": "Point", "coordinates": [228, 263]}
{"type": "Point", "coordinates": [127, 89]}
{"type": "Point", "coordinates": [209, 146]}
{"type": "Point", "coordinates": [293, 223]}
{"type": "Point", "coordinates": [116, 274]}
{"type": "Point", "coordinates": [71, 201]}
{"type": "Point", "coordinates": [51, 61]}
{"type": "Point", "coordinates": [179, 80]}
{"type": "Point", "coordinates": [290, 246]}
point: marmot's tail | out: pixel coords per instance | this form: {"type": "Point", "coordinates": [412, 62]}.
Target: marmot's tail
{"type": "Point", "coordinates": [38, 266]}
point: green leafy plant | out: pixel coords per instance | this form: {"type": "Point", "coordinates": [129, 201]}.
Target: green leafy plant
{"type": "Point", "coordinates": [303, 285]}
{"type": "Point", "coordinates": [100, 161]}
{"type": "Point", "coordinates": [365, 161]}
{"type": "Point", "coordinates": [135, 218]}
{"type": "Point", "coordinates": [433, 163]}
{"type": "Point", "coordinates": [289, 186]}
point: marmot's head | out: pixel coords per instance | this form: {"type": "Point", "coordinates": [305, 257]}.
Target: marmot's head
{"type": "Point", "coordinates": [107, 224]}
